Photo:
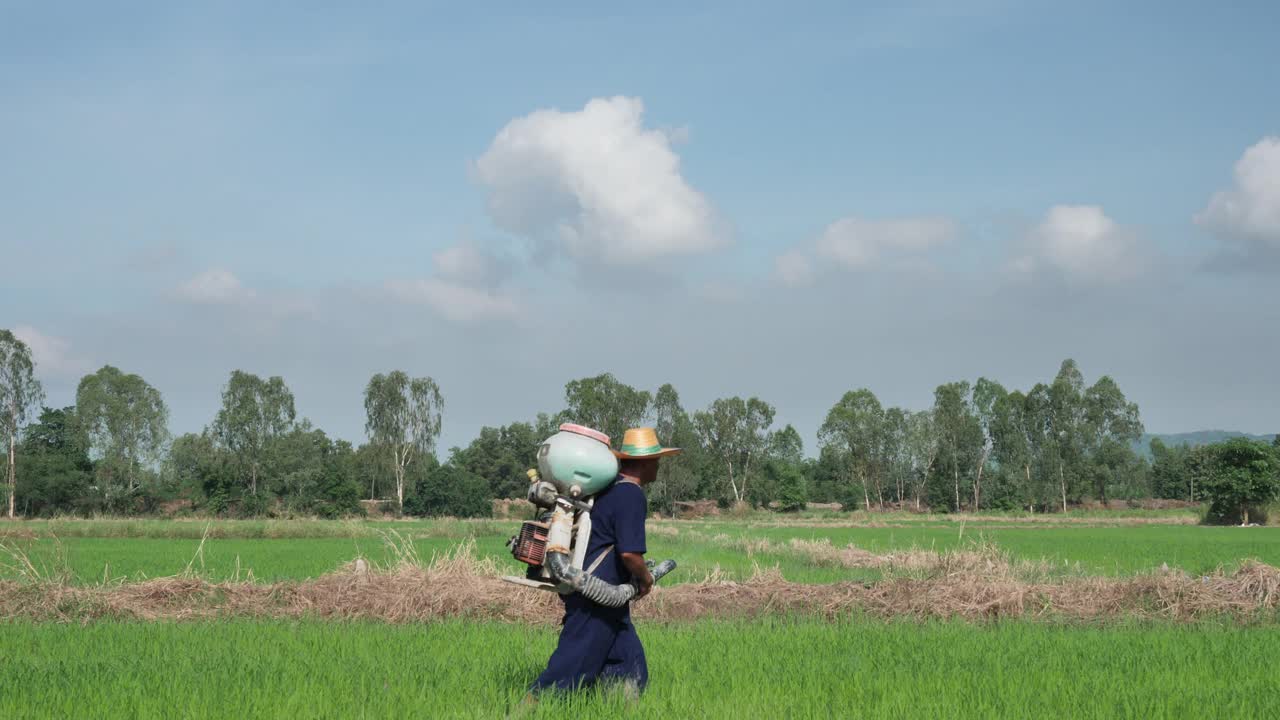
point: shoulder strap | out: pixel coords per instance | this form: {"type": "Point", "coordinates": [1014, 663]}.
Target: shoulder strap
{"type": "Point", "coordinates": [599, 559]}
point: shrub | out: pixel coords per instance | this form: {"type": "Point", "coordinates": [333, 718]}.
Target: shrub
{"type": "Point", "coordinates": [791, 488]}
{"type": "Point", "coordinates": [1240, 477]}
{"type": "Point", "coordinates": [450, 490]}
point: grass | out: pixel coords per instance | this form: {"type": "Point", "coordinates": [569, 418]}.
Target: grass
{"type": "Point", "coordinates": [710, 669]}
{"type": "Point", "coordinates": [297, 549]}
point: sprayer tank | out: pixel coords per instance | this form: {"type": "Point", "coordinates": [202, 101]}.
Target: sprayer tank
{"type": "Point", "coordinates": [578, 461]}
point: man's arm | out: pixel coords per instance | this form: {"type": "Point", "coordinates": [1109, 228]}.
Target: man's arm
{"type": "Point", "coordinates": [634, 562]}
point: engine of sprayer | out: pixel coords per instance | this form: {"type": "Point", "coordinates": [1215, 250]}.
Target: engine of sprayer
{"type": "Point", "coordinates": [574, 465]}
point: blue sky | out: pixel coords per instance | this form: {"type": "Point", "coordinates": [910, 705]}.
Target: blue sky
{"type": "Point", "coordinates": [806, 199]}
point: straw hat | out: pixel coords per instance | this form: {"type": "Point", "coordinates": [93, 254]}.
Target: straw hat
{"type": "Point", "coordinates": [642, 444]}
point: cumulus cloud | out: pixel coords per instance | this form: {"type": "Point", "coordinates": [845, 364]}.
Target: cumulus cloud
{"type": "Point", "coordinates": [469, 263]}
{"type": "Point", "coordinates": [456, 301]}
{"type": "Point", "coordinates": [598, 184]}
{"type": "Point", "coordinates": [1250, 210]}
{"type": "Point", "coordinates": [1080, 243]}
{"type": "Point", "coordinates": [52, 355]}
{"type": "Point", "coordinates": [215, 287]}
{"type": "Point", "coordinates": [793, 268]}
{"type": "Point", "coordinates": [468, 285]}
{"type": "Point", "coordinates": [856, 243]}
{"type": "Point", "coordinates": [860, 243]}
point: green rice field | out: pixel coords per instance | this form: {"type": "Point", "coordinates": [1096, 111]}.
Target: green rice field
{"type": "Point", "coordinates": [717, 669]}
{"type": "Point", "coordinates": [774, 666]}
{"type": "Point", "coordinates": [94, 551]}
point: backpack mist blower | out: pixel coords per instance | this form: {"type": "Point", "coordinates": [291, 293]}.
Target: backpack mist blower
{"type": "Point", "coordinates": [574, 465]}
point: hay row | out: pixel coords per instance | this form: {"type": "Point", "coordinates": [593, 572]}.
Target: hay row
{"type": "Point", "coordinates": [973, 586]}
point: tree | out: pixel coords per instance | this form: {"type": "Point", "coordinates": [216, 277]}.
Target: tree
{"type": "Point", "coordinates": [854, 427]}
{"type": "Point", "coordinates": [254, 412]}
{"type": "Point", "coordinates": [782, 448]}
{"type": "Point", "coordinates": [20, 394]}
{"type": "Point", "coordinates": [1242, 474]}
{"type": "Point", "coordinates": [1068, 424]}
{"type": "Point", "coordinates": [315, 474]}
{"type": "Point", "coordinates": [501, 456]}
{"type": "Point", "coordinates": [736, 432]}
{"type": "Point", "coordinates": [127, 424]}
{"type": "Point", "coordinates": [786, 446]}
{"type": "Point", "coordinates": [986, 395]}
{"type": "Point", "coordinates": [959, 437]}
{"type": "Point", "coordinates": [922, 450]}
{"type": "Point", "coordinates": [1170, 476]}
{"type": "Point", "coordinates": [790, 488]}
{"type": "Point", "coordinates": [404, 418]}
{"type": "Point", "coordinates": [896, 451]}
{"type": "Point", "coordinates": [678, 475]}
{"type": "Point", "coordinates": [604, 404]}
{"type": "Point", "coordinates": [56, 472]}
{"type": "Point", "coordinates": [452, 491]}
{"type": "Point", "coordinates": [1010, 431]}
{"type": "Point", "coordinates": [1111, 425]}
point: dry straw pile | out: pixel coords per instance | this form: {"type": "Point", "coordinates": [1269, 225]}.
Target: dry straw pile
{"type": "Point", "coordinates": [975, 584]}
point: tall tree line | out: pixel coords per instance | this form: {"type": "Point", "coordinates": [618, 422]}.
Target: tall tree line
{"type": "Point", "coordinates": [978, 446]}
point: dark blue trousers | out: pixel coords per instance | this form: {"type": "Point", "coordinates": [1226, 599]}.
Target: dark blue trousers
{"type": "Point", "coordinates": [596, 644]}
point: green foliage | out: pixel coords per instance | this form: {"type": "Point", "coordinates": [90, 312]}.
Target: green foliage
{"type": "Point", "coordinates": [54, 471]}
{"type": "Point", "coordinates": [605, 404]}
{"type": "Point", "coordinates": [254, 412]}
{"type": "Point", "coordinates": [1242, 477]}
{"type": "Point", "coordinates": [1171, 475]}
{"type": "Point", "coordinates": [735, 432]}
{"type": "Point", "coordinates": [501, 456]}
{"type": "Point", "coordinates": [790, 487]}
{"type": "Point", "coordinates": [960, 442]}
{"type": "Point", "coordinates": [452, 491]}
{"type": "Point", "coordinates": [126, 422]}
{"type": "Point", "coordinates": [20, 393]}
{"type": "Point", "coordinates": [403, 419]}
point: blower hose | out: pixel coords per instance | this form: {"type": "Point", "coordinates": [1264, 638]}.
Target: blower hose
{"type": "Point", "coordinates": [595, 589]}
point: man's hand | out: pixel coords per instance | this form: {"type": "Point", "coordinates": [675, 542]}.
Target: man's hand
{"type": "Point", "coordinates": [634, 563]}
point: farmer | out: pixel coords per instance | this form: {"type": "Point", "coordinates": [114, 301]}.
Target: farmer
{"type": "Point", "coordinates": [598, 642]}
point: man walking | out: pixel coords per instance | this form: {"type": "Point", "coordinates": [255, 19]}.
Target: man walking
{"type": "Point", "coordinates": [599, 643]}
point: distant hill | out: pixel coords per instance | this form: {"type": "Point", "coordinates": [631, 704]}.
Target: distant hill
{"type": "Point", "coordinates": [1194, 439]}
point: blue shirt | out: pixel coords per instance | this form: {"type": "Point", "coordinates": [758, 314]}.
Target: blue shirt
{"type": "Point", "coordinates": [617, 519]}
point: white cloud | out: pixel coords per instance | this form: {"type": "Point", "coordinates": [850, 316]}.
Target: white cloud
{"type": "Point", "coordinates": [1081, 242]}
{"type": "Point", "coordinates": [1251, 209]}
{"type": "Point", "coordinates": [470, 264]}
{"type": "Point", "coordinates": [857, 243]}
{"type": "Point", "coordinates": [599, 184]}
{"type": "Point", "coordinates": [215, 287]}
{"type": "Point", "coordinates": [456, 301]}
{"type": "Point", "coordinates": [860, 243]}
{"type": "Point", "coordinates": [52, 355]}
{"type": "Point", "coordinates": [793, 268]}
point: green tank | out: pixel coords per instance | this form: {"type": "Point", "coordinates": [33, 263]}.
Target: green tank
{"type": "Point", "coordinates": [578, 461]}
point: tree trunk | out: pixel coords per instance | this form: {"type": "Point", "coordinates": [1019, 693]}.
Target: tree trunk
{"type": "Point", "coordinates": [400, 487]}
{"type": "Point", "coordinates": [955, 469]}
{"type": "Point", "coordinates": [1062, 479]}
{"type": "Point", "coordinates": [737, 496]}
{"type": "Point", "coordinates": [253, 478]}
{"type": "Point", "coordinates": [977, 483]}
{"type": "Point", "coordinates": [13, 473]}
{"type": "Point", "coordinates": [866, 496]}
{"type": "Point", "coordinates": [1244, 513]}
